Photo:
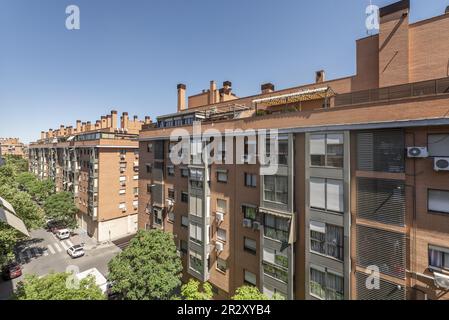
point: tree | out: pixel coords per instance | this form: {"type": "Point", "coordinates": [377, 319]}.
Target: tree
{"type": "Point", "coordinates": [248, 293]}
{"type": "Point", "coordinates": [26, 209]}
{"type": "Point", "coordinates": [8, 239]}
{"type": "Point", "coordinates": [57, 286]}
{"type": "Point", "coordinates": [61, 207]}
{"type": "Point", "coordinates": [191, 291]}
{"type": "Point", "coordinates": [20, 164]}
{"type": "Point", "coordinates": [148, 269]}
{"type": "Point", "coordinates": [40, 190]}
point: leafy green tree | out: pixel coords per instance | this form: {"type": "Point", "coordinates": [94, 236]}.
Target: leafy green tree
{"type": "Point", "coordinates": [7, 176]}
{"type": "Point", "coordinates": [148, 269]}
{"type": "Point", "coordinates": [26, 209]}
{"type": "Point", "coordinates": [61, 207]}
{"type": "Point", "coordinates": [8, 239]}
{"type": "Point", "coordinates": [191, 291]}
{"type": "Point", "coordinates": [248, 293]}
{"type": "Point", "coordinates": [39, 190]}
{"type": "Point", "coordinates": [20, 164]}
{"type": "Point", "coordinates": [57, 286]}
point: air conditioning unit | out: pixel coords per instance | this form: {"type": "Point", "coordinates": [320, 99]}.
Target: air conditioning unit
{"type": "Point", "coordinates": [441, 164]}
{"type": "Point", "coordinates": [441, 280]}
{"type": "Point", "coordinates": [247, 223]}
{"type": "Point", "coordinates": [417, 152]}
{"type": "Point", "coordinates": [219, 216]}
{"type": "Point", "coordinates": [219, 246]}
{"type": "Point", "coordinates": [256, 225]}
{"type": "Point", "coordinates": [122, 157]}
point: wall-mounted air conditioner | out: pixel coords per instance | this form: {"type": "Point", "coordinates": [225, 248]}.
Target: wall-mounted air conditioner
{"type": "Point", "coordinates": [441, 280]}
{"type": "Point", "coordinates": [219, 216]}
{"type": "Point", "coordinates": [247, 223]}
{"type": "Point", "coordinates": [441, 164]}
{"type": "Point", "coordinates": [256, 225]}
{"type": "Point", "coordinates": [219, 246]}
{"type": "Point", "coordinates": [417, 152]}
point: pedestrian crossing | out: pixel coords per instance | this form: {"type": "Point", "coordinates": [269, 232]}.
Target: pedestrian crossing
{"type": "Point", "coordinates": [37, 251]}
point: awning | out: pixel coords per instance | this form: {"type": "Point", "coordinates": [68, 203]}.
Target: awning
{"type": "Point", "coordinates": [303, 95]}
{"type": "Point", "coordinates": [11, 219]}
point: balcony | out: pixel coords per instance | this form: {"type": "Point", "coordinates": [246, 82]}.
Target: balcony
{"type": "Point", "coordinates": [412, 90]}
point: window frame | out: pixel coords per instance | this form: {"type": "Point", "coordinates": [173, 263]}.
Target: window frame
{"type": "Point", "coordinates": [253, 180]}
{"type": "Point", "coordinates": [326, 151]}
{"type": "Point", "coordinates": [248, 249]}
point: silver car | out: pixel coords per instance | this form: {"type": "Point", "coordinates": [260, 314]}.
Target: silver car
{"type": "Point", "coordinates": [76, 251]}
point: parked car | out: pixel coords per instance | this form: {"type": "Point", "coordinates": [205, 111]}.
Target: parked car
{"type": "Point", "coordinates": [11, 271]}
{"type": "Point", "coordinates": [56, 226]}
{"type": "Point", "coordinates": [63, 234]}
{"type": "Point", "coordinates": [76, 251]}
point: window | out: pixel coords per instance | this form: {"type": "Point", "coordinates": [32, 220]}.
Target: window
{"type": "Point", "coordinates": [170, 171]}
{"type": "Point", "coordinates": [271, 270]}
{"type": "Point", "coordinates": [439, 257]}
{"type": "Point", "coordinates": [184, 172]}
{"type": "Point", "coordinates": [221, 234]}
{"type": "Point", "coordinates": [326, 194]}
{"type": "Point", "coordinates": [136, 191]}
{"type": "Point", "coordinates": [438, 145]}
{"type": "Point", "coordinates": [196, 233]}
{"type": "Point", "coordinates": [276, 227]}
{"type": "Point", "coordinates": [196, 205]}
{"type": "Point", "coordinates": [222, 176]}
{"type": "Point", "coordinates": [326, 239]}
{"type": "Point", "coordinates": [276, 189]}
{"type": "Point", "coordinates": [250, 180]}
{"type": "Point", "coordinates": [184, 197]}
{"type": "Point", "coordinates": [250, 278]}
{"type": "Point", "coordinates": [183, 245]}
{"type": "Point", "coordinates": [150, 147]}
{"type": "Point", "coordinates": [184, 221]}
{"type": "Point", "coordinates": [148, 188]}
{"type": "Point", "coordinates": [326, 150]}
{"type": "Point", "coordinates": [325, 285]}
{"type": "Point", "coordinates": [171, 216]}
{"type": "Point", "coordinates": [149, 168]}
{"type": "Point", "coordinates": [282, 158]}
{"type": "Point", "coordinates": [249, 212]}
{"type": "Point", "coordinates": [438, 201]}
{"type": "Point", "coordinates": [221, 205]}
{"type": "Point", "coordinates": [157, 216]}
{"type": "Point", "coordinates": [275, 257]}
{"type": "Point", "coordinates": [250, 245]}
{"type": "Point", "coordinates": [196, 261]}
{"type": "Point", "coordinates": [221, 265]}
{"type": "Point", "coordinates": [171, 194]}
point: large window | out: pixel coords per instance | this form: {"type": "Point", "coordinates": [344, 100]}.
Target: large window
{"type": "Point", "coordinates": [282, 156]}
{"type": "Point", "coordinates": [326, 150]}
{"type": "Point", "coordinates": [326, 239]}
{"type": "Point", "coordinates": [275, 257]}
{"type": "Point", "coordinates": [196, 206]}
{"type": "Point", "coordinates": [439, 257]}
{"type": "Point", "coordinates": [196, 261]}
{"type": "Point", "coordinates": [196, 233]}
{"type": "Point", "coordinates": [326, 285]}
{"type": "Point", "coordinates": [438, 145]}
{"type": "Point", "coordinates": [438, 201]}
{"type": "Point", "coordinates": [276, 272]}
{"type": "Point", "coordinates": [326, 194]}
{"type": "Point", "coordinates": [250, 245]}
{"type": "Point", "coordinates": [276, 227]}
{"type": "Point", "coordinates": [249, 212]}
{"type": "Point", "coordinates": [276, 189]}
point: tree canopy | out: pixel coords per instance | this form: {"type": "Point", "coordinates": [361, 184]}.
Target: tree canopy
{"type": "Point", "coordinates": [248, 293]}
{"type": "Point", "coordinates": [192, 291]}
{"type": "Point", "coordinates": [148, 269]}
{"type": "Point", "coordinates": [61, 207]}
{"type": "Point", "coordinates": [57, 286]}
{"type": "Point", "coordinates": [8, 238]}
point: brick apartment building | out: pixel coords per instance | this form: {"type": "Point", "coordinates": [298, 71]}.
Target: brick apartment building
{"type": "Point", "coordinates": [99, 163]}
{"type": "Point", "coordinates": [12, 146]}
{"type": "Point", "coordinates": [349, 192]}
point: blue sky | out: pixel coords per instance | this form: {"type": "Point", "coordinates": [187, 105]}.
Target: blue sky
{"type": "Point", "coordinates": [129, 55]}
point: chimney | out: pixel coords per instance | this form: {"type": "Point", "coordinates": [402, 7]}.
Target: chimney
{"type": "Point", "coordinates": [212, 90]}
{"type": "Point", "coordinates": [125, 120]}
{"type": "Point", "coordinates": [78, 126]}
{"type": "Point", "coordinates": [42, 135]}
{"type": "Point", "coordinates": [97, 125]}
{"type": "Point", "coordinates": [69, 130]}
{"type": "Point", "coordinates": [104, 123]}
{"type": "Point", "coordinates": [147, 120]}
{"type": "Point", "coordinates": [114, 122]}
{"type": "Point", "coordinates": [227, 87]}
{"type": "Point", "coordinates": [447, 10]}
{"type": "Point", "coordinates": [267, 87]}
{"type": "Point", "coordinates": [83, 127]}
{"type": "Point", "coordinates": [320, 76]}
{"type": "Point", "coordinates": [50, 133]}
{"type": "Point", "coordinates": [181, 97]}
{"type": "Point", "coordinates": [88, 126]}
{"type": "Point", "coordinates": [108, 121]}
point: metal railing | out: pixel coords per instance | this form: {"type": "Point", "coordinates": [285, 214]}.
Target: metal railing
{"type": "Point", "coordinates": [411, 90]}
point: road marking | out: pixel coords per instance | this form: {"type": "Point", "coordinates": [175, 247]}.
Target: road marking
{"type": "Point", "coordinates": [64, 245]}
{"type": "Point", "coordinates": [51, 249]}
{"type": "Point", "coordinates": [69, 243]}
{"type": "Point", "coordinates": [57, 247]}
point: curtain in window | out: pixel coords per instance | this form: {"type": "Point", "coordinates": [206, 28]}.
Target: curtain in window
{"type": "Point", "coordinates": [435, 258]}
{"type": "Point", "coordinates": [334, 241]}
{"type": "Point", "coordinates": [317, 283]}
{"type": "Point", "coordinates": [334, 286]}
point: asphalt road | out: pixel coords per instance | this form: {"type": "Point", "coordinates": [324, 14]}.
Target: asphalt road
{"type": "Point", "coordinates": [44, 253]}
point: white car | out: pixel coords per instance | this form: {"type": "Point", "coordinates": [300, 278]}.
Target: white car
{"type": "Point", "coordinates": [63, 234]}
{"type": "Point", "coordinates": [76, 251]}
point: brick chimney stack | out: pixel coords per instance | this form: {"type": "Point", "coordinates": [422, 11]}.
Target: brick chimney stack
{"type": "Point", "coordinates": [114, 119]}
{"type": "Point", "coordinates": [181, 97]}
{"type": "Point", "coordinates": [267, 87]}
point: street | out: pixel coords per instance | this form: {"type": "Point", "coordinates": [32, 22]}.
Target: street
{"type": "Point", "coordinates": [44, 253]}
